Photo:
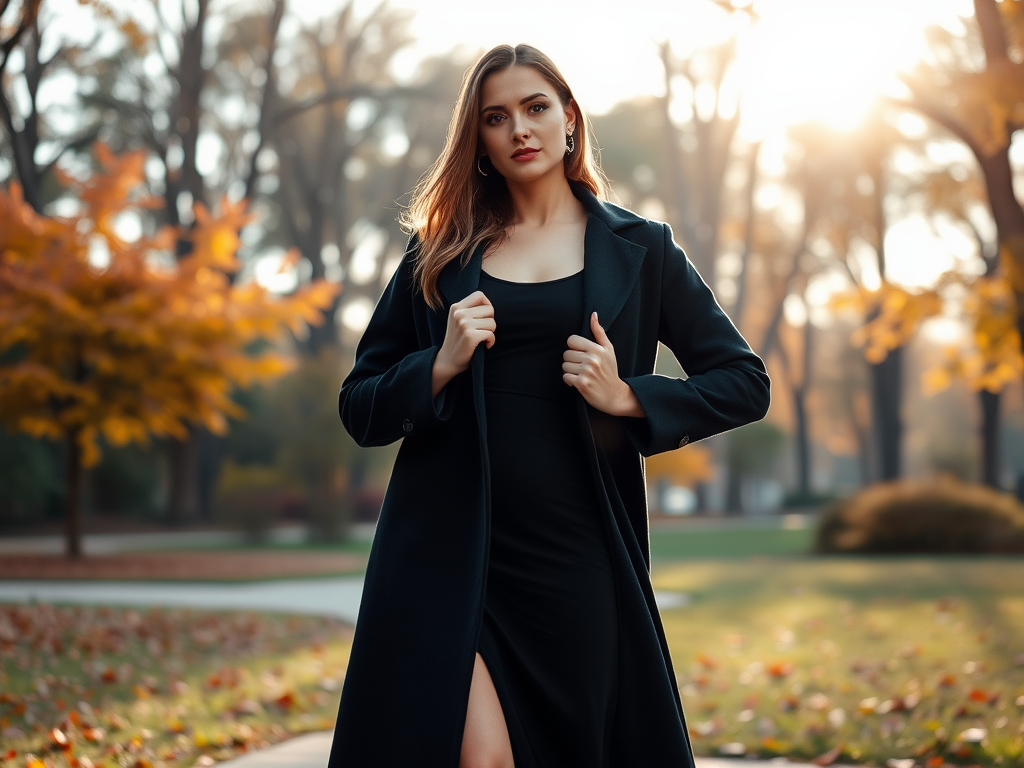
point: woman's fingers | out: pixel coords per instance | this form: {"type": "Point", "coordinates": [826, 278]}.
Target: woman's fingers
{"type": "Point", "coordinates": [470, 322]}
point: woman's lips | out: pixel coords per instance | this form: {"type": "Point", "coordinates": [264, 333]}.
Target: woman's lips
{"type": "Point", "coordinates": [524, 155]}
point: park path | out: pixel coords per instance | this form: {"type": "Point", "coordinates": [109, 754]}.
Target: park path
{"type": "Point", "coordinates": [312, 749]}
{"type": "Point", "coordinates": [109, 543]}
{"type": "Point", "coordinates": [336, 596]}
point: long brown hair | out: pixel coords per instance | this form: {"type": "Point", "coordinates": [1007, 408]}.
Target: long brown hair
{"type": "Point", "coordinates": [454, 208]}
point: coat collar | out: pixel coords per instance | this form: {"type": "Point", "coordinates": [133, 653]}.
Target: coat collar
{"type": "Point", "coordinates": [611, 263]}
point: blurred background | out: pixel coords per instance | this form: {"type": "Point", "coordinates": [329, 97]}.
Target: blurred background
{"type": "Point", "coordinates": [198, 213]}
{"type": "Point", "coordinates": [846, 176]}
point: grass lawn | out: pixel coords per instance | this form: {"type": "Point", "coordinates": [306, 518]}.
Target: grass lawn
{"type": "Point", "coordinates": [675, 544]}
{"type": "Point", "coordinates": [860, 660]}
{"type": "Point", "coordinates": [91, 687]}
{"type": "Point", "coordinates": [856, 660]}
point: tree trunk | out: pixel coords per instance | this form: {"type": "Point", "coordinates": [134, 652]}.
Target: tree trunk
{"type": "Point", "coordinates": [73, 510]}
{"type": "Point", "coordinates": [734, 493]}
{"type": "Point", "coordinates": [209, 459]}
{"type": "Point", "coordinates": [748, 236]}
{"type": "Point", "coordinates": [886, 391]}
{"type": "Point", "coordinates": [183, 505]}
{"type": "Point", "coordinates": [803, 441]}
{"type": "Point", "coordinates": [991, 464]}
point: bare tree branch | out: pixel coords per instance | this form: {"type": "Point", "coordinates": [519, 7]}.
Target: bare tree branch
{"type": "Point", "coordinates": [355, 92]}
{"type": "Point", "coordinates": [929, 108]}
{"type": "Point", "coordinates": [84, 140]}
{"type": "Point", "coordinates": [269, 89]}
{"type": "Point", "coordinates": [993, 37]}
{"type": "Point", "coordinates": [28, 19]}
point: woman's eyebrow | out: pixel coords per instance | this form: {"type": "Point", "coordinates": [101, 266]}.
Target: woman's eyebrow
{"type": "Point", "coordinates": [531, 97]}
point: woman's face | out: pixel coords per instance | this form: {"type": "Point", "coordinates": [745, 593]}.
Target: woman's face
{"type": "Point", "coordinates": [523, 124]}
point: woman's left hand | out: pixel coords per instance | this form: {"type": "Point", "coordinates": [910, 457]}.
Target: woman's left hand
{"type": "Point", "coordinates": [590, 366]}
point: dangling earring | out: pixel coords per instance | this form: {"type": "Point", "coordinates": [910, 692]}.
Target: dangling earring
{"type": "Point", "coordinates": [570, 144]}
{"type": "Point", "coordinates": [478, 159]}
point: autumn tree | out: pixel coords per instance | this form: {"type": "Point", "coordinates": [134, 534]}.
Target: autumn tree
{"type": "Point", "coordinates": [105, 338]}
{"type": "Point", "coordinates": [685, 468]}
{"type": "Point", "coordinates": [992, 358]}
{"type": "Point", "coordinates": [975, 90]}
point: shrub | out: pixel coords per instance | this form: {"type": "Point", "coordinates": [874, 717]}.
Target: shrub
{"type": "Point", "coordinates": [940, 515]}
{"type": "Point", "coordinates": [251, 498]}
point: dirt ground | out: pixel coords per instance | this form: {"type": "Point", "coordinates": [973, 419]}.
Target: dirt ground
{"type": "Point", "coordinates": [198, 565]}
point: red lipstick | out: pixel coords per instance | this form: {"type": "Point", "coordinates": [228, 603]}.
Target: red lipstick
{"type": "Point", "coordinates": [525, 153]}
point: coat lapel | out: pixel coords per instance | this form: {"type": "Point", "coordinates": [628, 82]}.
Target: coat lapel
{"type": "Point", "coordinates": [610, 268]}
{"type": "Point", "coordinates": [611, 263]}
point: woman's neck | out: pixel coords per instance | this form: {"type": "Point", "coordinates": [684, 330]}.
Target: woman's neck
{"type": "Point", "coordinates": [547, 200]}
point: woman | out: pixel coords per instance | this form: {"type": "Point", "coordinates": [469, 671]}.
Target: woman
{"type": "Point", "coordinates": [507, 614]}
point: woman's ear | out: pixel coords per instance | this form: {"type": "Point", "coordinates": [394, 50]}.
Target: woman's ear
{"type": "Point", "coordinates": [570, 117]}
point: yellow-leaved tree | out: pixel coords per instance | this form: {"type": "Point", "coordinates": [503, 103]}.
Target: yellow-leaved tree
{"type": "Point", "coordinates": [131, 343]}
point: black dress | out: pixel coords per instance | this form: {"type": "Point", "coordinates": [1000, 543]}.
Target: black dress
{"type": "Point", "coordinates": [550, 630]}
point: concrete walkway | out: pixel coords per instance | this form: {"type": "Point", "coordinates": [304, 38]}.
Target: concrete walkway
{"type": "Point", "coordinates": [110, 543]}
{"type": "Point", "coordinates": [336, 596]}
{"type": "Point", "coordinates": [312, 749]}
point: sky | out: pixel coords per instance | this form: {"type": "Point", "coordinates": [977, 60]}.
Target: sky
{"type": "Point", "coordinates": [802, 57]}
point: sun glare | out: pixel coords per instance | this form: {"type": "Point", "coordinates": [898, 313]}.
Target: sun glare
{"type": "Point", "coordinates": [828, 60]}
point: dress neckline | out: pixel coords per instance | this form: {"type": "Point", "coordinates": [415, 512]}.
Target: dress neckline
{"type": "Point", "coordinates": [536, 282]}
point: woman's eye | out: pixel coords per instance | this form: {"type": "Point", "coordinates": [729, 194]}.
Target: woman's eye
{"type": "Point", "coordinates": [494, 118]}
{"type": "Point", "coordinates": [538, 107]}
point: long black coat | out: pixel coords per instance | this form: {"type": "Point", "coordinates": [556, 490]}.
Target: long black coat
{"type": "Point", "coordinates": [405, 694]}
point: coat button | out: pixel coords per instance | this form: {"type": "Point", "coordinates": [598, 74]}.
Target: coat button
{"type": "Point", "coordinates": [684, 441]}
{"type": "Point", "coordinates": [407, 425]}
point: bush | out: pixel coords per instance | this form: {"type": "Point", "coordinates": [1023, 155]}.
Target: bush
{"type": "Point", "coordinates": [251, 498]}
{"type": "Point", "coordinates": [940, 515]}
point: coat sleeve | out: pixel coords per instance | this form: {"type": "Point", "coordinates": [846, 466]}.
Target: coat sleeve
{"type": "Point", "coordinates": [387, 394]}
{"type": "Point", "coordinates": [727, 384]}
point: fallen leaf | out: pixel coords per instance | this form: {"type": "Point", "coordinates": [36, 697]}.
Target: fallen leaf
{"type": "Point", "coordinates": [972, 735]}
{"type": "Point", "coordinates": [818, 702]}
{"type": "Point", "coordinates": [58, 738]}
{"type": "Point", "coordinates": [827, 758]}
{"type": "Point", "coordinates": [867, 706]}
{"type": "Point", "coordinates": [706, 661]}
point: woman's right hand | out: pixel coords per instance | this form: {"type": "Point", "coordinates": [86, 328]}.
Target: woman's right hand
{"type": "Point", "coordinates": [470, 322]}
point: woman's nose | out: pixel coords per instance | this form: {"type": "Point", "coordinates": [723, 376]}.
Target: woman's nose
{"type": "Point", "coordinates": [519, 128]}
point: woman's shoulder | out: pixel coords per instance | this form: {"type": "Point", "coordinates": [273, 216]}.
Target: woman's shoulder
{"type": "Point", "coordinates": [620, 219]}
{"type": "Point", "coordinates": [631, 219]}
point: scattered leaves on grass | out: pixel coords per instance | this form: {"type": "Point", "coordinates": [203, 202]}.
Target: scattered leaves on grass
{"type": "Point", "coordinates": [884, 680]}
{"type": "Point", "coordinates": [86, 687]}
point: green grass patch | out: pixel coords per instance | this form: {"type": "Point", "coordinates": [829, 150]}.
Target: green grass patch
{"type": "Point", "coordinates": [728, 542]}
{"type": "Point", "coordinates": [855, 659]}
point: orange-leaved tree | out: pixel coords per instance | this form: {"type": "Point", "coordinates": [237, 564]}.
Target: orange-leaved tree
{"type": "Point", "coordinates": [100, 336]}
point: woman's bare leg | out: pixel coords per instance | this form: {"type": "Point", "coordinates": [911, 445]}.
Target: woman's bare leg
{"type": "Point", "coordinates": [485, 742]}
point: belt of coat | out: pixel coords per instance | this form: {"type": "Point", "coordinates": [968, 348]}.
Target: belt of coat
{"type": "Point", "coordinates": [405, 694]}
